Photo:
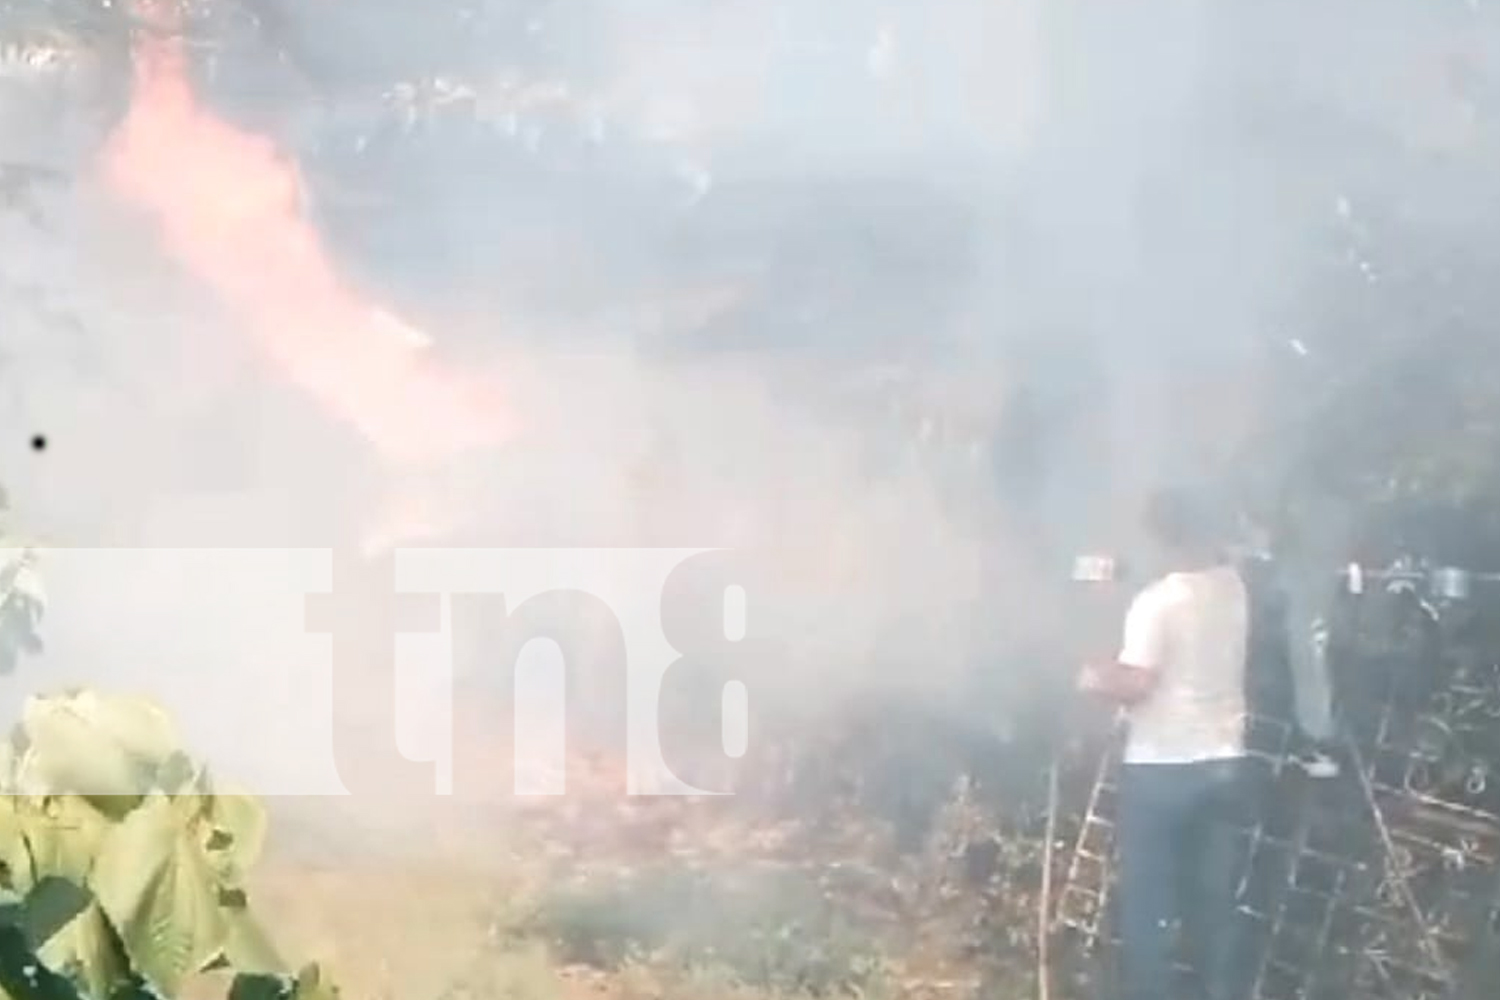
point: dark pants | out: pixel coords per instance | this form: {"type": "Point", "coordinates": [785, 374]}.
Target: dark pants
{"type": "Point", "coordinates": [1178, 844]}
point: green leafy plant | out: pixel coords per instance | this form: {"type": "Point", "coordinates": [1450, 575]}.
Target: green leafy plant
{"type": "Point", "coordinates": [137, 886]}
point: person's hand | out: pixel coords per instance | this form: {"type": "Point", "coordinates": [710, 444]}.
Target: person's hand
{"type": "Point", "coordinates": [1126, 685]}
{"type": "Point", "coordinates": [1318, 760]}
{"type": "Point", "coordinates": [1092, 679]}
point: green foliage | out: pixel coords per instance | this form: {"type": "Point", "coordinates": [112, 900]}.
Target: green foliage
{"type": "Point", "coordinates": [138, 887]}
{"type": "Point", "coordinates": [157, 887]}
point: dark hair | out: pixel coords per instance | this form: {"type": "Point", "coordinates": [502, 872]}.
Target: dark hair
{"type": "Point", "coordinates": [1183, 519]}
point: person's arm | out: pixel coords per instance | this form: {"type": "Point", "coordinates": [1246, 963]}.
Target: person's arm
{"type": "Point", "coordinates": [1136, 672]}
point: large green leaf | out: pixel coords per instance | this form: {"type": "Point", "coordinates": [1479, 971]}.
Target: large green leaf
{"type": "Point", "coordinates": [92, 744]}
{"type": "Point", "coordinates": [161, 856]}
{"type": "Point", "coordinates": [139, 726]}
{"type": "Point", "coordinates": [154, 881]}
{"type": "Point", "coordinates": [10, 762]}
{"type": "Point", "coordinates": [67, 753]}
{"type": "Point", "coordinates": [87, 951]}
{"type": "Point", "coordinates": [16, 874]}
{"type": "Point", "coordinates": [63, 834]}
{"type": "Point", "coordinates": [49, 907]}
{"type": "Point", "coordinates": [247, 949]}
{"type": "Point", "coordinates": [238, 836]}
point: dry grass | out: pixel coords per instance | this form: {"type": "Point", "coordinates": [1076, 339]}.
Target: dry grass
{"type": "Point", "coordinates": [498, 921]}
{"type": "Point", "coordinates": [588, 897]}
{"type": "Point", "coordinates": [393, 911]}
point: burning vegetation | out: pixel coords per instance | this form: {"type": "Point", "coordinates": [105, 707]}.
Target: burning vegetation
{"type": "Point", "coordinates": [912, 322]}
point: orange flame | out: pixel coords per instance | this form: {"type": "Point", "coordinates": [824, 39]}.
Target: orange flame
{"type": "Point", "coordinates": [226, 205]}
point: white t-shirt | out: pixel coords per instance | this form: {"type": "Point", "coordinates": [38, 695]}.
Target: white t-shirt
{"type": "Point", "coordinates": [1192, 628]}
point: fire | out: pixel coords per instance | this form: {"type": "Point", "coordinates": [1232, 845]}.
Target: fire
{"type": "Point", "coordinates": [226, 205]}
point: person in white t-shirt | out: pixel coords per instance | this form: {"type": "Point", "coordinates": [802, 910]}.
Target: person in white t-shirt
{"type": "Point", "coordinates": [1180, 675]}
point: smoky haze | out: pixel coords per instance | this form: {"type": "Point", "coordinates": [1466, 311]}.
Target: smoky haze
{"type": "Point", "coordinates": [908, 301]}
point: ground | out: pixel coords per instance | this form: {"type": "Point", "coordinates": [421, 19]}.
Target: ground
{"type": "Point", "coordinates": [533, 905]}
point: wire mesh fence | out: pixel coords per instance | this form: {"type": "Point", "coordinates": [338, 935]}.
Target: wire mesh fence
{"type": "Point", "coordinates": [1383, 882]}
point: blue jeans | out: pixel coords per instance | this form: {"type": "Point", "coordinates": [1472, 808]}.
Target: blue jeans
{"type": "Point", "coordinates": [1178, 843]}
